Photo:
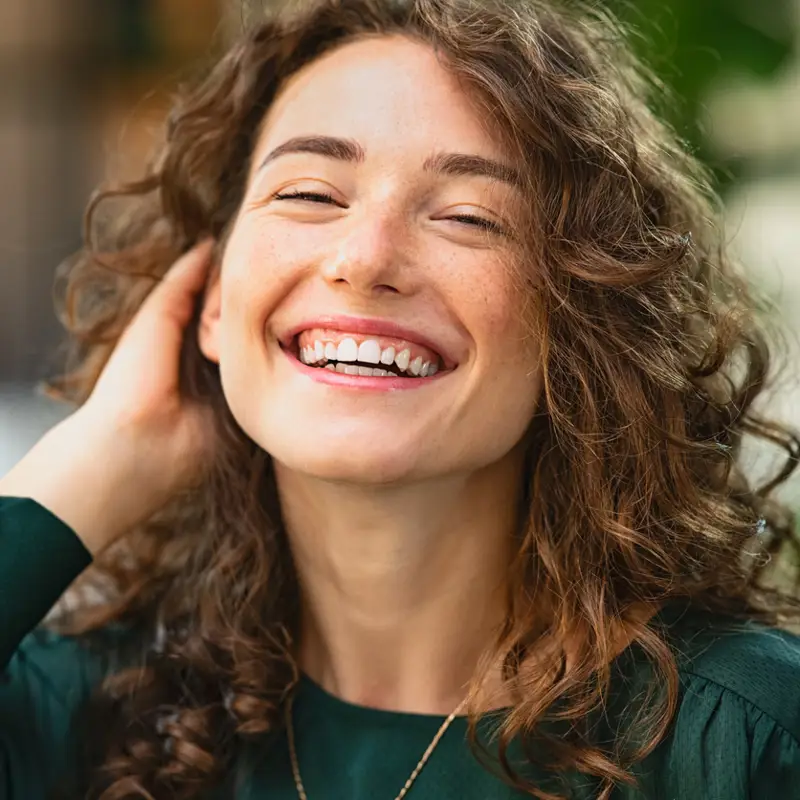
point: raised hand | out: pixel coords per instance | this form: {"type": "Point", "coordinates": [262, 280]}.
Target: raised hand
{"type": "Point", "coordinates": [136, 441]}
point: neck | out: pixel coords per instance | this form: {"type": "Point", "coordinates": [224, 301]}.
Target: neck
{"type": "Point", "coordinates": [403, 587]}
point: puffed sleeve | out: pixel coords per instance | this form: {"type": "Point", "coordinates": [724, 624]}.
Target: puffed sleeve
{"type": "Point", "coordinates": [44, 678]}
{"type": "Point", "coordinates": [723, 747]}
{"type": "Point", "coordinates": [39, 557]}
{"type": "Point", "coordinates": [736, 732]}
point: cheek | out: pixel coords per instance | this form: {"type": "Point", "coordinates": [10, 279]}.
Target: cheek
{"type": "Point", "coordinates": [504, 378]}
{"type": "Point", "coordinates": [509, 358]}
{"type": "Point", "coordinates": [253, 256]}
{"type": "Point", "coordinates": [259, 269]}
{"type": "Point", "coordinates": [493, 309]}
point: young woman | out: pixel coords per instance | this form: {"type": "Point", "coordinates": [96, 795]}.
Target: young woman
{"type": "Point", "coordinates": [419, 472]}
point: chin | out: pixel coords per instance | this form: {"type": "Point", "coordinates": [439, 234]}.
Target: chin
{"type": "Point", "coordinates": [375, 463]}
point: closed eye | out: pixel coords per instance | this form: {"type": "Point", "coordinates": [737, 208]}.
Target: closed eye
{"type": "Point", "coordinates": [478, 222]}
{"type": "Point", "coordinates": [323, 197]}
{"type": "Point", "coordinates": [313, 196]}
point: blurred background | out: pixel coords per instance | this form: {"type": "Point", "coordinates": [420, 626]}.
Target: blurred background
{"type": "Point", "coordinates": [85, 84]}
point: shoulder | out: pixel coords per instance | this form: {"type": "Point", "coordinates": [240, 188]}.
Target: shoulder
{"type": "Point", "coordinates": [735, 733]}
{"type": "Point", "coordinates": [43, 688]}
{"type": "Point", "coordinates": [55, 673]}
{"type": "Point", "coordinates": [748, 662]}
{"type": "Point", "coordinates": [49, 670]}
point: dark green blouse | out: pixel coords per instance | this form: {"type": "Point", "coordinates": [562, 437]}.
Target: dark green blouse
{"type": "Point", "coordinates": [736, 735]}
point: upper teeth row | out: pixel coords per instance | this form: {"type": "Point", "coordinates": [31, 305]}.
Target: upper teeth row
{"type": "Point", "coordinates": [368, 352]}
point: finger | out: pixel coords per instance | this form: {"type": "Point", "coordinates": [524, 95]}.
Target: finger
{"type": "Point", "coordinates": [189, 270]}
{"type": "Point", "coordinates": [175, 294]}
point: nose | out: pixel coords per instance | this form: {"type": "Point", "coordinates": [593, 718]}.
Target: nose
{"type": "Point", "coordinates": [372, 258]}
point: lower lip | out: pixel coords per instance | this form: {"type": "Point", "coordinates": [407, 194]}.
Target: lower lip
{"type": "Point", "coordinates": [322, 375]}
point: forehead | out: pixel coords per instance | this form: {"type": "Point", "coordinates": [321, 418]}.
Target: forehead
{"type": "Point", "coordinates": [389, 92]}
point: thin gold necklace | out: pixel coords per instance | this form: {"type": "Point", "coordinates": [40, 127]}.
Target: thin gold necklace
{"type": "Point", "coordinates": [298, 781]}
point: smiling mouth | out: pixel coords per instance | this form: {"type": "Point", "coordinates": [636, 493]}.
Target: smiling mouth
{"type": "Point", "coordinates": [365, 356]}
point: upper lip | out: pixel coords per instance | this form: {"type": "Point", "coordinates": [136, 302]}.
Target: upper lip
{"type": "Point", "coordinates": [366, 326]}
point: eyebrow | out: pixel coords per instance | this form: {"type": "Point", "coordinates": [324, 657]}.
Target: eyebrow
{"type": "Point", "coordinates": [454, 164]}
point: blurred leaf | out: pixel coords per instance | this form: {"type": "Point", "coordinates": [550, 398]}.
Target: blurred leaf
{"type": "Point", "coordinates": [691, 43]}
{"type": "Point", "coordinates": [134, 41]}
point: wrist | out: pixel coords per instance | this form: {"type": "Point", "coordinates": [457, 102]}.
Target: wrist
{"type": "Point", "coordinates": [76, 474]}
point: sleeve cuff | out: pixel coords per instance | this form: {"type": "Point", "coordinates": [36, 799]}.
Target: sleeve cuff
{"type": "Point", "coordinates": [39, 557]}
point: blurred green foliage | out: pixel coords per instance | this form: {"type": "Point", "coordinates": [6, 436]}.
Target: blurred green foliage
{"type": "Point", "coordinates": [690, 44]}
{"type": "Point", "coordinates": [134, 37]}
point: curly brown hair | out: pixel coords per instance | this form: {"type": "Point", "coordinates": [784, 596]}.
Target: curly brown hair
{"type": "Point", "coordinates": [634, 486]}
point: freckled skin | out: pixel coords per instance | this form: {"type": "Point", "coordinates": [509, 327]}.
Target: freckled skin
{"type": "Point", "coordinates": [386, 248]}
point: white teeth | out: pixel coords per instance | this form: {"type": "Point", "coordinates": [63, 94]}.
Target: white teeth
{"type": "Point", "coordinates": [369, 351]}
{"type": "Point", "coordinates": [347, 350]}
{"type": "Point", "coordinates": [387, 356]}
{"type": "Point", "coordinates": [308, 355]}
{"type": "Point", "coordinates": [374, 372]}
{"type": "Point", "coordinates": [402, 359]}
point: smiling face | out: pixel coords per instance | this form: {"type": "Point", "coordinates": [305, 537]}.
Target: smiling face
{"type": "Point", "coordinates": [366, 322]}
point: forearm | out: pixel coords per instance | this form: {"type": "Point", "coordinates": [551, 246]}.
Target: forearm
{"type": "Point", "coordinates": [75, 479]}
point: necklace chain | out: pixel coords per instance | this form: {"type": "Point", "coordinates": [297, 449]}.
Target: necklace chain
{"type": "Point", "coordinates": [298, 781]}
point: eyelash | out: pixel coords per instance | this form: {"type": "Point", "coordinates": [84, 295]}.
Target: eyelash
{"type": "Point", "coordinates": [477, 222]}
